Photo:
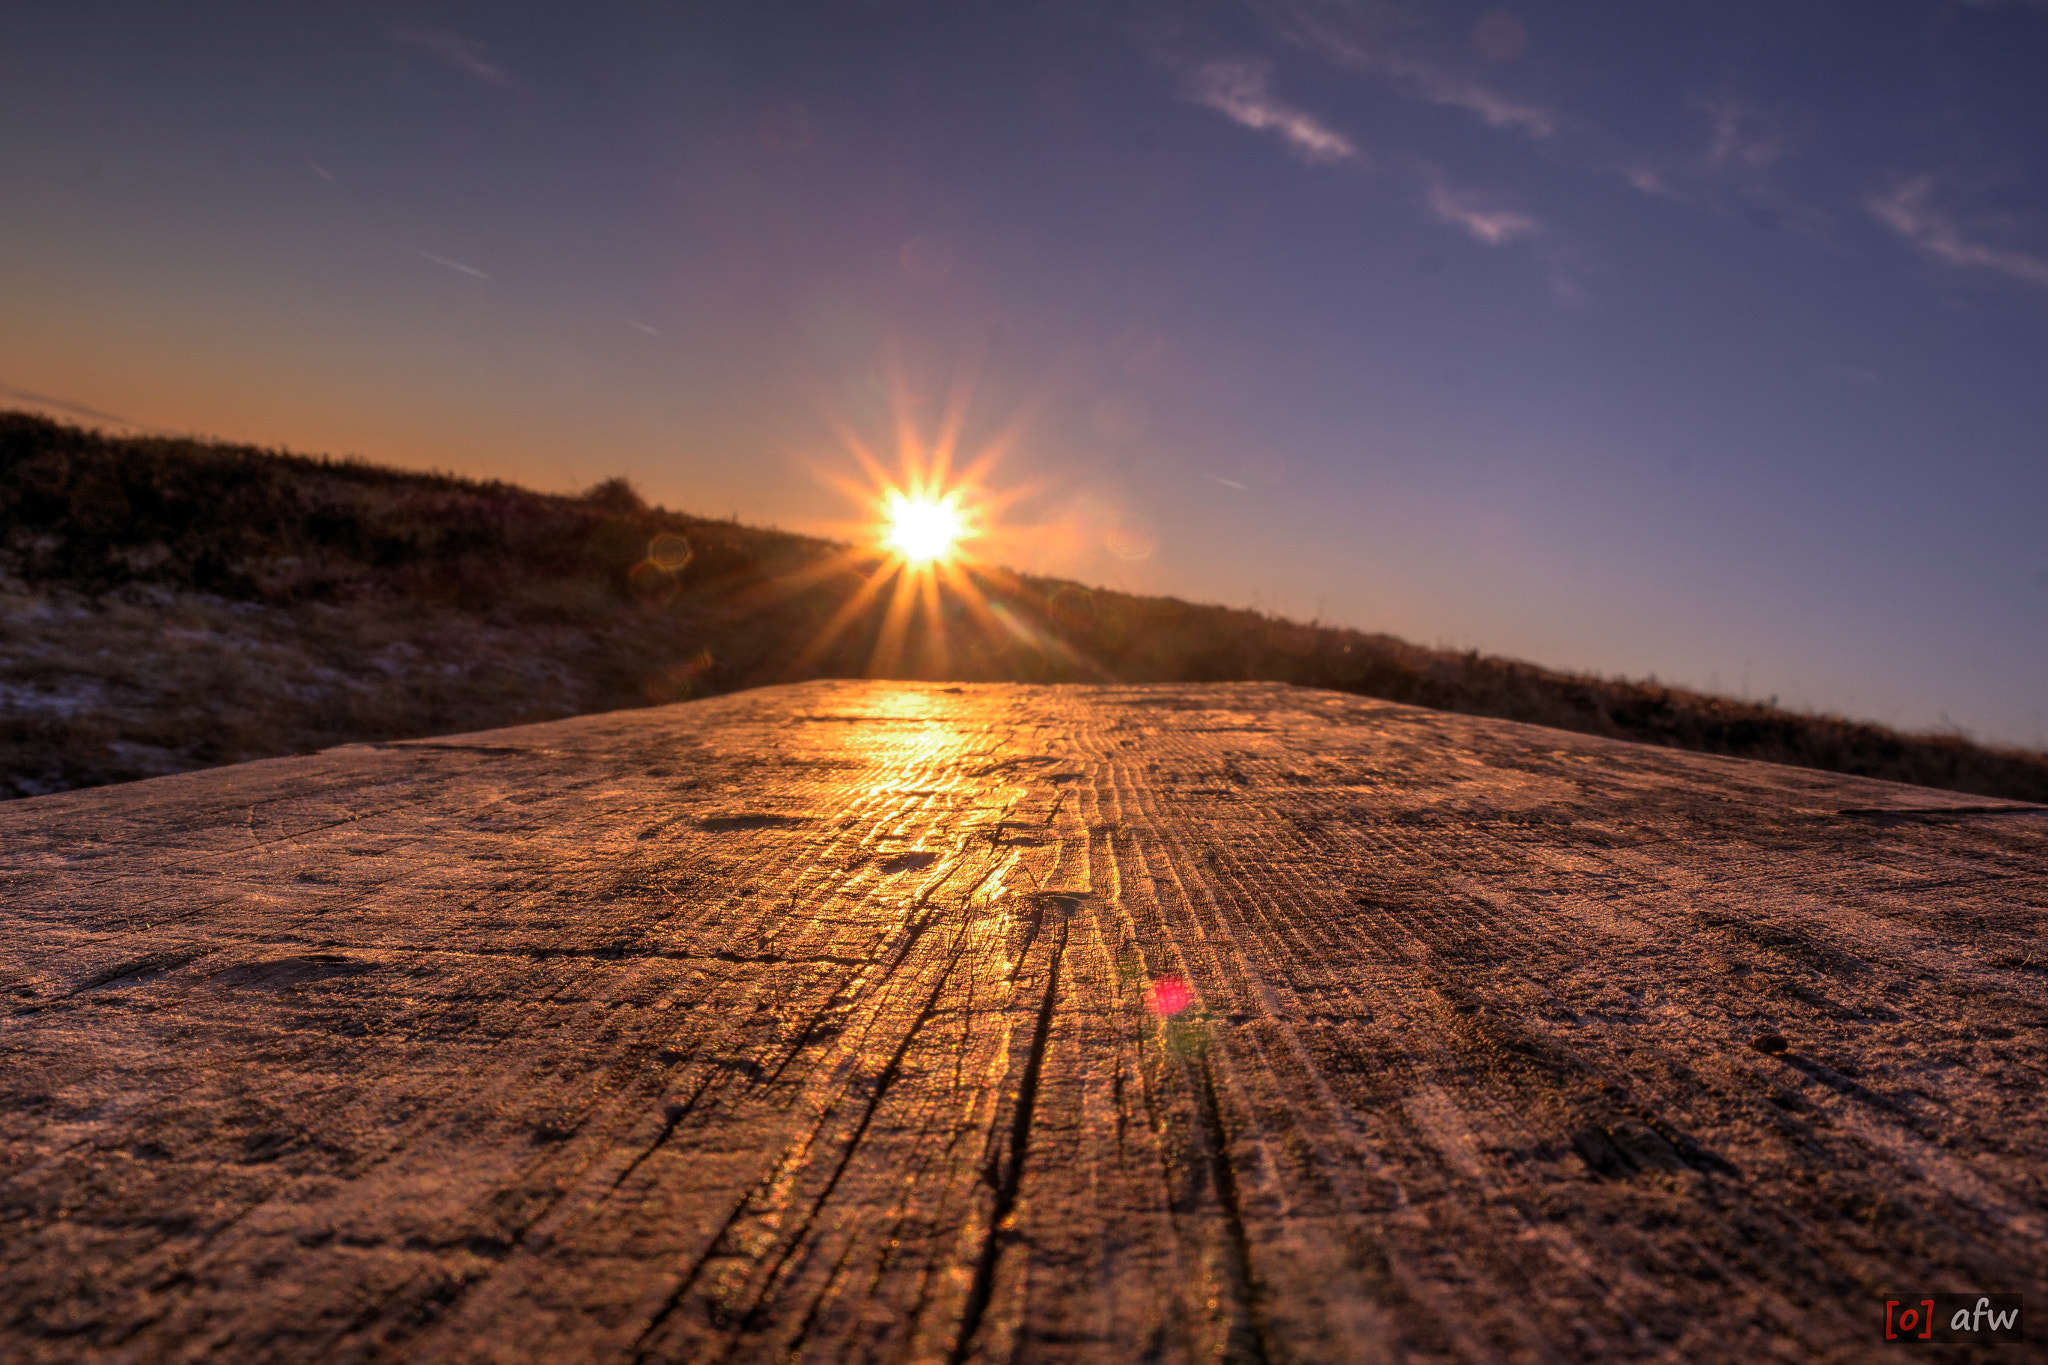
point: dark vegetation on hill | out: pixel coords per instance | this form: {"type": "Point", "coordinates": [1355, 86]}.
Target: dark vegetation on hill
{"type": "Point", "coordinates": [171, 604]}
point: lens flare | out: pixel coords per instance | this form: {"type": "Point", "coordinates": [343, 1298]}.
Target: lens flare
{"type": "Point", "coordinates": [922, 530]}
{"type": "Point", "coordinates": [1169, 995]}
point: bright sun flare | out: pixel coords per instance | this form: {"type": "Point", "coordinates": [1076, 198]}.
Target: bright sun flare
{"type": "Point", "coordinates": [921, 529]}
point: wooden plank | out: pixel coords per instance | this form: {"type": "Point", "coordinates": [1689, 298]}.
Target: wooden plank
{"type": "Point", "coordinates": [865, 1021]}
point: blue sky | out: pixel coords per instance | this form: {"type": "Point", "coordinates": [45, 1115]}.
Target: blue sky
{"type": "Point", "coordinates": [1703, 341]}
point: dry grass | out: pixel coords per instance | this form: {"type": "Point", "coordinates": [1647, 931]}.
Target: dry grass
{"type": "Point", "coordinates": [170, 604]}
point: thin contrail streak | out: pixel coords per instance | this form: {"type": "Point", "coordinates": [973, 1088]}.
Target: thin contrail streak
{"type": "Point", "coordinates": [453, 265]}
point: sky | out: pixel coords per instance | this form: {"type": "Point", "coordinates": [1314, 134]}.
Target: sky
{"type": "Point", "coordinates": [1702, 341]}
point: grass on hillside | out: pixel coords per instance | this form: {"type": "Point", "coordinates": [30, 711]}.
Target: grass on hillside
{"type": "Point", "coordinates": [170, 604]}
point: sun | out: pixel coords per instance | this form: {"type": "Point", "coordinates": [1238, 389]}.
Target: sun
{"type": "Point", "coordinates": [926, 585]}
{"type": "Point", "coordinates": [922, 530]}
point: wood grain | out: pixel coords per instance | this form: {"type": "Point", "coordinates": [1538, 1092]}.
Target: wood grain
{"type": "Point", "coordinates": [831, 1022]}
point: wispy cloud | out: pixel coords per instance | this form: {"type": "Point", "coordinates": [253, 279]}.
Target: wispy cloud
{"type": "Point", "coordinates": [458, 53]}
{"type": "Point", "coordinates": [1239, 90]}
{"type": "Point", "coordinates": [1739, 171]}
{"type": "Point", "coordinates": [1739, 142]}
{"type": "Point", "coordinates": [1436, 86]}
{"type": "Point", "coordinates": [1905, 210]}
{"type": "Point", "coordinates": [452, 265]}
{"type": "Point", "coordinates": [1425, 81]}
{"type": "Point", "coordinates": [1566, 271]}
{"type": "Point", "coordinates": [1649, 180]}
{"type": "Point", "coordinates": [1493, 226]}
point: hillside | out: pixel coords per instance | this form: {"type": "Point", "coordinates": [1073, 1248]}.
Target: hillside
{"type": "Point", "coordinates": [172, 604]}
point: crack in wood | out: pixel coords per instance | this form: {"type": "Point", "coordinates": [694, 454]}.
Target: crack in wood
{"type": "Point", "coordinates": [643, 1347]}
{"type": "Point", "coordinates": [1005, 1175]}
{"type": "Point", "coordinates": [1245, 1339]}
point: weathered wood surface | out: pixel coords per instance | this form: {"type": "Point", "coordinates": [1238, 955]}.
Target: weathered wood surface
{"type": "Point", "coordinates": [824, 1023]}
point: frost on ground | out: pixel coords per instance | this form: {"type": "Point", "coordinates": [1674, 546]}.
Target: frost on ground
{"type": "Point", "coordinates": [888, 1022]}
{"type": "Point", "coordinates": [149, 680]}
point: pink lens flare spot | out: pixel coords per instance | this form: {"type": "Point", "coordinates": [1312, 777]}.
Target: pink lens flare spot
{"type": "Point", "coordinates": [1168, 995]}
